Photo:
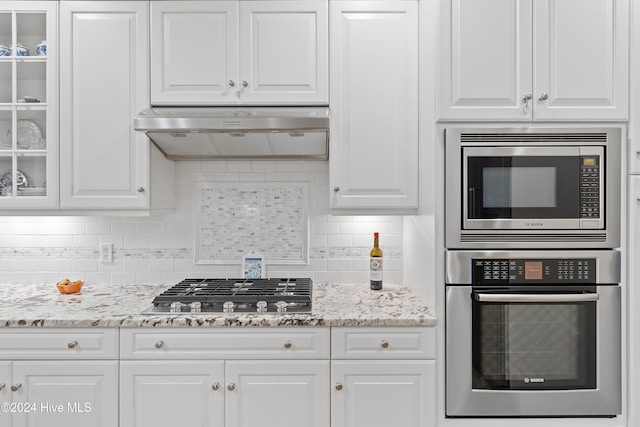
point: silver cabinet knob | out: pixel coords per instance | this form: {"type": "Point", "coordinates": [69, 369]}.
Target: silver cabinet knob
{"type": "Point", "coordinates": [287, 345]}
{"type": "Point", "coordinates": [3, 385]}
{"type": "Point", "coordinates": [231, 386]}
{"type": "Point", "coordinates": [336, 188]}
{"type": "Point", "coordinates": [159, 344]}
{"type": "Point", "coordinates": [72, 344]}
{"type": "Point", "coordinates": [140, 189]}
{"type": "Point", "coordinates": [215, 386]}
{"type": "Point", "coordinates": [384, 344]}
{"type": "Point", "coordinates": [527, 96]}
{"type": "Point", "coordinates": [232, 83]}
{"type": "Point", "coordinates": [543, 96]}
{"type": "Point", "coordinates": [16, 387]}
{"type": "Point", "coordinates": [244, 83]}
{"type": "Point", "coordinates": [338, 386]}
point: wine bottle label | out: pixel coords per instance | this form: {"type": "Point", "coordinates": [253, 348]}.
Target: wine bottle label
{"type": "Point", "coordinates": [375, 267]}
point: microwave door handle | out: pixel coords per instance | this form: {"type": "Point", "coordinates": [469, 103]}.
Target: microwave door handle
{"type": "Point", "coordinates": [524, 298]}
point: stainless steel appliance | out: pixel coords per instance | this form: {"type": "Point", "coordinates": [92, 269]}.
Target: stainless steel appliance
{"type": "Point", "coordinates": [192, 296]}
{"type": "Point", "coordinates": [184, 133]}
{"type": "Point", "coordinates": [533, 334]}
{"type": "Point", "coordinates": [533, 187]}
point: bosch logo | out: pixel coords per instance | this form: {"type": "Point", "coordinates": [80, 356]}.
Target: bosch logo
{"type": "Point", "coordinates": [534, 224]}
{"type": "Point", "coordinates": [533, 380]}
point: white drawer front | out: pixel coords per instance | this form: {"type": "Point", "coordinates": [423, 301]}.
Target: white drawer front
{"type": "Point", "coordinates": [383, 343]}
{"type": "Point", "coordinates": [55, 343]}
{"type": "Point", "coordinates": [245, 343]}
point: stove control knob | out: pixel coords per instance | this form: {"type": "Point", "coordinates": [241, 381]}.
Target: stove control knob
{"type": "Point", "coordinates": [176, 307]}
{"type": "Point", "coordinates": [228, 307]}
{"type": "Point", "coordinates": [261, 306]}
{"type": "Point", "coordinates": [281, 307]}
{"type": "Point", "coordinates": [196, 307]}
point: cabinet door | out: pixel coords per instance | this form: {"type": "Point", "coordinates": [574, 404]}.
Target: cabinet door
{"type": "Point", "coordinates": [67, 393]}
{"type": "Point", "coordinates": [581, 59]}
{"type": "Point", "coordinates": [485, 59]}
{"type": "Point", "coordinates": [194, 52]}
{"type": "Point", "coordinates": [104, 84]}
{"type": "Point", "coordinates": [284, 52]}
{"type": "Point", "coordinates": [29, 106]}
{"type": "Point", "coordinates": [382, 394]}
{"type": "Point", "coordinates": [374, 96]}
{"type": "Point", "coordinates": [5, 391]}
{"type": "Point", "coordinates": [290, 393]}
{"type": "Point", "coordinates": [172, 393]}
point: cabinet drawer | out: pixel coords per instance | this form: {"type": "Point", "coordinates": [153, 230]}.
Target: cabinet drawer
{"type": "Point", "coordinates": [383, 343]}
{"type": "Point", "coordinates": [245, 343]}
{"type": "Point", "coordinates": [46, 343]}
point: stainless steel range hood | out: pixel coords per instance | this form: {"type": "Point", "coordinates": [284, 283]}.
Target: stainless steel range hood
{"type": "Point", "coordinates": [196, 133]}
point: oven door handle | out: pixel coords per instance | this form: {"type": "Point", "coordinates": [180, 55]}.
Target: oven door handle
{"type": "Point", "coordinates": [524, 298]}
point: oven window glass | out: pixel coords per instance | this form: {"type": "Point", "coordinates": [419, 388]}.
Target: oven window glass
{"type": "Point", "coordinates": [534, 346]}
{"type": "Point", "coordinates": [526, 187]}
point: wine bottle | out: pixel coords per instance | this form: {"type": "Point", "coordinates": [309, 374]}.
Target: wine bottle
{"type": "Point", "coordinates": [375, 265]}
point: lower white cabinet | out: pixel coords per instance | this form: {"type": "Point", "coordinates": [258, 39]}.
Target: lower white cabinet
{"type": "Point", "coordinates": [383, 377]}
{"type": "Point", "coordinates": [58, 378]}
{"type": "Point", "coordinates": [386, 393]}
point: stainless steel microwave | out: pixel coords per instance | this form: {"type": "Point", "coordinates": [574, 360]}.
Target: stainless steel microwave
{"type": "Point", "coordinates": [532, 187]}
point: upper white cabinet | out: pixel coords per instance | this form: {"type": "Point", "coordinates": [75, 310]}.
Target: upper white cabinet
{"type": "Point", "coordinates": [247, 52]}
{"type": "Point", "coordinates": [28, 105]}
{"type": "Point", "coordinates": [104, 163]}
{"type": "Point", "coordinates": [374, 104]}
{"type": "Point", "coordinates": [533, 60]}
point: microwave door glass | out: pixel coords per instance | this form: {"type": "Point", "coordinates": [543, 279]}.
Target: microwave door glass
{"type": "Point", "coordinates": [523, 187]}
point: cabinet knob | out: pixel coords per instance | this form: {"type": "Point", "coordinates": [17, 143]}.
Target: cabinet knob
{"type": "Point", "coordinates": [3, 385]}
{"type": "Point", "coordinates": [543, 96]}
{"type": "Point", "coordinates": [215, 386]}
{"type": "Point", "coordinates": [16, 387]}
{"type": "Point", "coordinates": [287, 345]}
{"type": "Point", "coordinates": [232, 83]}
{"type": "Point", "coordinates": [527, 96]}
{"type": "Point", "coordinates": [384, 344]}
{"type": "Point", "coordinates": [140, 189]}
{"type": "Point", "coordinates": [159, 344]}
{"type": "Point", "coordinates": [72, 344]}
{"type": "Point", "coordinates": [244, 83]}
{"type": "Point", "coordinates": [231, 386]}
{"type": "Point", "coordinates": [336, 188]}
{"type": "Point", "coordinates": [338, 386]}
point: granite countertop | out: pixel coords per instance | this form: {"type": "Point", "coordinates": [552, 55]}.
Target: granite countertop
{"type": "Point", "coordinates": [99, 305]}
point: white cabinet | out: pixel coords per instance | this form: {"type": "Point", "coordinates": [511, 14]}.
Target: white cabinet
{"type": "Point", "coordinates": [232, 378]}
{"type": "Point", "coordinates": [248, 52]}
{"type": "Point", "coordinates": [29, 106]}
{"type": "Point", "coordinates": [398, 388]}
{"type": "Point", "coordinates": [374, 103]}
{"type": "Point", "coordinates": [533, 60]}
{"type": "Point", "coordinates": [104, 163]}
{"type": "Point", "coordinates": [69, 391]}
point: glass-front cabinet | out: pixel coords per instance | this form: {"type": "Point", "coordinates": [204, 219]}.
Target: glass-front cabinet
{"type": "Point", "coordinates": [28, 104]}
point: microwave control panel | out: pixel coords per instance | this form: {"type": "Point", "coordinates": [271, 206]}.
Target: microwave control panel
{"type": "Point", "coordinates": [533, 271]}
{"type": "Point", "coordinates": [589, 187]}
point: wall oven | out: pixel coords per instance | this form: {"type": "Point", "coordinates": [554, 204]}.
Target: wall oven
{"type": "Point", "coordinates": [529, 187]}
{"type": "Point", "coordinates": [533, 334]}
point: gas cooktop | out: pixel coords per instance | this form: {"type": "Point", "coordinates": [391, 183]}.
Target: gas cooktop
{"type": "Point", "coordinates": [192, 296]}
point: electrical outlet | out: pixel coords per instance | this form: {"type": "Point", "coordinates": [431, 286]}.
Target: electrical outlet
{"type": "Point", "coordinates": [106, 253]}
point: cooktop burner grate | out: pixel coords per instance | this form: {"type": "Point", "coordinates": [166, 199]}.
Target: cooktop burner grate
{"type": "Point", "coordinates": [228, 295]}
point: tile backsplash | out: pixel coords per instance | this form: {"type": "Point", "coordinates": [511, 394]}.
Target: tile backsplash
{"type": "Point", "coordinates": [160, 249]}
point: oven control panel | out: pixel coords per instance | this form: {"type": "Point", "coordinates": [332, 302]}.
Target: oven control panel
{"type": "Point", "coordinates": [533, 271]}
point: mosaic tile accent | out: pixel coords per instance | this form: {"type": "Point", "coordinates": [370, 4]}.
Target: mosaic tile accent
{"type": "Point", "coordinates": [236, 217]}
